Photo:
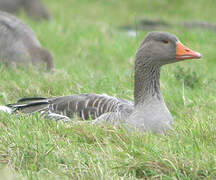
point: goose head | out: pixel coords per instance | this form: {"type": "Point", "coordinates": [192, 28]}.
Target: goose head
{"type": "Point", "coordinates": [159, 48]}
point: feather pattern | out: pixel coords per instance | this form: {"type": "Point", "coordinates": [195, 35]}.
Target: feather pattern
{"type": "Point", "coordinates": [85, 106]}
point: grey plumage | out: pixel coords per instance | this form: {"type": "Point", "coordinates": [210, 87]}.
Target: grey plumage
{"type": "Point", "coordinates": [85, 106]}
{"type": "Point", "coordinates": [19, 45]}
{"type": "Point", "coordinates": [34, 8]}
{"type": "Point", "coordinates": [148, 112]}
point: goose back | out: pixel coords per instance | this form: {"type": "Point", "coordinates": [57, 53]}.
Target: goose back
{"type": "Point", "coordinates": [85, 106]}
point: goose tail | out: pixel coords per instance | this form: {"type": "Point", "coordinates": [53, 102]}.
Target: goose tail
{"type": "Point", "coordinates": [25, 105]}
{"type": "Point", "coordinates": [6, 109]}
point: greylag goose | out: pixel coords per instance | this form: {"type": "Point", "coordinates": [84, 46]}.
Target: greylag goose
{"type": "Point", "coordinates": [19, 45]}
{"type": "Point", "coordinates": [148, 112]}
{"type": "Point", "coordinates": [34, 8]}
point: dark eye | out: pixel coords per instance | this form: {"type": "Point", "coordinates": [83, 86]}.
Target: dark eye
{"type": "Point", "coordinates": [166, 41]}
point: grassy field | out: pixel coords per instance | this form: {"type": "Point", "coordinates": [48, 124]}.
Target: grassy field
{"type": "Point", "coordinates": [93, 56]}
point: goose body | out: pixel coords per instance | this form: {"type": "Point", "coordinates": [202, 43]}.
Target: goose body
{"type": "Point", "coordinates": [84, 106]}
{"type": "Point", "coordinates": [147, 112]}
{"type": "Point", "coordinates": [34, 8]}
{"type": "Point", "coordinates": [19, 45]}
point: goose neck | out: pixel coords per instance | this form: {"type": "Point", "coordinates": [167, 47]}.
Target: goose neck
{"type": "Point", "coordinates": [147, 83]}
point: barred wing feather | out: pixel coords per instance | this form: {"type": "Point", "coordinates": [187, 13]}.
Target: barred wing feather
{"type": "Point", "coordinates": [85, 106]}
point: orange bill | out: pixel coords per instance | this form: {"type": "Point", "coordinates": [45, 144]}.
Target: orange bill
{"type": "Point", "coordinates": [183, 52]}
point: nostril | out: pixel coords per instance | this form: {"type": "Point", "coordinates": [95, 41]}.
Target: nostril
{"type": "Point", "coordinates": [187, 50]}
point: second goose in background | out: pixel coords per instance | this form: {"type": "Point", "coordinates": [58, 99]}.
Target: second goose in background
{"type": "Point", "coordinates": [19, 45]}
{"type": "Point", "coordinates": [33, 8]}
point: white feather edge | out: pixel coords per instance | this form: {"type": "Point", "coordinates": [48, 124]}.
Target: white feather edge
{"type": "Point", "coordinates": [5, 109]}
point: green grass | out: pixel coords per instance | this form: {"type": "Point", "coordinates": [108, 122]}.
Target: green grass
{"type": "Point", "coordinates": [93, 56]}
